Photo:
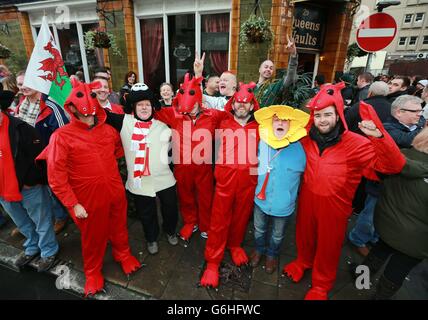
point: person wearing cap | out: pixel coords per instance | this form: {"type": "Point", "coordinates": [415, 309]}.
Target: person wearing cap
{"type": "Point", "coordinates": [24, 193]}
{"type": "Point", "coordinates": [194, 130]}
{"type": "Point", "coordinates": [83, 174]}
{"type": "Point", "coordinates": [145, 141]}
{"type": "Point", "coordinates": [336, 159]}
{"type": "Point", "coordinates": [348, 92]}
{"type": "Point", "coordinates": [236, 179]}
{"type": "Point", "coordinates": [282, 161]}
{"type": "Point", "coordinates": [420, 87]}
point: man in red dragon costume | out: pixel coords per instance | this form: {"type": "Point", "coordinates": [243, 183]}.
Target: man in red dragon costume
{"type": "Point", "coordinates": [194, 129]}
{"type": "Point", "coordinates": [83, 173]}
{"type": "Point", "coordinates": [336, 161]}
{"type": "Point", "coordinates": [236, 181]}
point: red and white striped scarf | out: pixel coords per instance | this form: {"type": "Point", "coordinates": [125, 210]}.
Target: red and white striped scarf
{"type": "Point", "coordinates": [139, 144]}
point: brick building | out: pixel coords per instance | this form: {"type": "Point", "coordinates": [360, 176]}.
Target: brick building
{"type": "Point", "coordinates": [158, 38]}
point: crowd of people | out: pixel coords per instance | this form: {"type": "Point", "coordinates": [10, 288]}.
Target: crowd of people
{"type": "Point", "coordinates": [236, 152]}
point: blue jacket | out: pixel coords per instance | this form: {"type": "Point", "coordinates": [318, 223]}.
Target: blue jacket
{"type": "Point", "coordinates": [402, 136]}
{"type": "Point", "coordinates": [51, 117]}
{"type": "Point", "coordinates": [284, 179]}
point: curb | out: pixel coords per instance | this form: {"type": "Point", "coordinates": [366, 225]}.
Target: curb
{"type": "Point", "coordinates": [69, 279]}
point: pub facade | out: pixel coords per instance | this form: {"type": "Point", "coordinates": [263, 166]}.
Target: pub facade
{"type": "Point", "coordinates": [158, 38]}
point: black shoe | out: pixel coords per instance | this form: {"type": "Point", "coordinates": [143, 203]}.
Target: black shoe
{"type": "Point", "coordinates": [23, 259]}
{"type": "Point", "coordinates": [46, 263]}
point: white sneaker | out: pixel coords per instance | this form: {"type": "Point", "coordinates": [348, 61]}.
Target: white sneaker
{"type": "Point", "coordinates": [172, 239]}
{"type": "Point", "coordinates": [152, 247]}
{"type": "Point", "coordinates": [204, 235]}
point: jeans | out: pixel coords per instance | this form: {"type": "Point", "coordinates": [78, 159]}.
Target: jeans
{"type": "Point", "coordinates": [59, 212]}
{"type": "Point", "coordinates": [269, 232]}
{"type": "Point", "coordinates": [33, 217]}
{"type": "Point", "coordinates": [364, 231]}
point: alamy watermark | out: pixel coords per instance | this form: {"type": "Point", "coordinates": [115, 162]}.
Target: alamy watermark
{"type": "Point", "coordinates": [362, 282]}
{"type": "Point", "coordinates": [63, 281]}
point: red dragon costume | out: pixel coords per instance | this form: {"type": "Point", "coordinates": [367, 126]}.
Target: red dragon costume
{"type": "Point", "coordinates": [192, 154]}
{"type": "Point", "coordinates": [236, 181]}
{"type": "Point", "coordinates": [327, 189]}
{"type": "Point", "coordinates": [82, 169]}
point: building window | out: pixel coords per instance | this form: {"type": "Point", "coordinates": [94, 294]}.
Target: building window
{"type": "Point", "coordinates": [408, 18]}
{"type": "Point", "coordinates": [94, 59]}
{"type": "Point", "coordinates": [402, 41]}
{"type": "Point", "coordinates": [181, 36]}
{"type": "Point", "coordinates": [71, 44]}
{"type": "Point", "coordinates": [170, 33]}
{"type": "Point", "coordinates": [152, 43]}
{"type": "Point", "coordinates": [412, 41]}
{"type": "Point", "coordinates": [419, 17]}
{"type": "Point", "coordinates": [215, 42]}
{"type": "Point", "coordinates": [425, 40]}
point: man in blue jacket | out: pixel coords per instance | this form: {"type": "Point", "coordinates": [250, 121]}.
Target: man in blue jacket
{"type": "Point", "coordinates": [282, 161]}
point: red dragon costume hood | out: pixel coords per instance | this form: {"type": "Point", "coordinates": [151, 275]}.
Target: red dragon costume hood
{"type": "Point", "coordinates": [188, 95]}
{"type": "Point", "coordinates": [244, 93]}
{"type": "Point", "coordinates": [82, 97]}
{"type": "Point", "coordinates": [329, 95]}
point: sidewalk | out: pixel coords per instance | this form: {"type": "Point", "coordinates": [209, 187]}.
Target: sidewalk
{"type": "Point", "coordinates": [174, 272]}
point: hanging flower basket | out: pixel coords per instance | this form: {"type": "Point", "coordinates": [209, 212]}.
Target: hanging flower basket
{"type": "Point", "coordinates": [255, 30]}
{"type": "Point", "coordinates": [4, 52]}
{"type": "Point", "coordinates": [101, 39]}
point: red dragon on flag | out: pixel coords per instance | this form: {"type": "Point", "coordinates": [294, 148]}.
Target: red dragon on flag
{"type": "Point", "coordinates": [53, 66]}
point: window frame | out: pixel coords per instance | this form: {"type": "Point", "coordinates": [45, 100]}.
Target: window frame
{"type": "Point", "coordinates": [405, 41]}
{"type": "Point", "coordinates": [416, 41]}
{"type": "Point", "coordinates": [81, 39]}
{"type": "Point", "coordinates": [422, 19]}
{"type": "Point", "coordinates": [198, 11]}
{"type": "Point", "coordinates": [411, 18]}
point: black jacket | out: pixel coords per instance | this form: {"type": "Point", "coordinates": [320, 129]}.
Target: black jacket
{"type": "Point", "coordinates": [379, 103]}
{"type": "Point", "coordinates": [26, 145]}
{"type": "Point", "coordinates": [361, 94]}
{"type": "Point", "coordinates": [392, 96]}
{"type": "Point", "coordinates": [402, 135]}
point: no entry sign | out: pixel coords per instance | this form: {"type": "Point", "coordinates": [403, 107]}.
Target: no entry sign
{"type": "Point", "coordinates": [376, 32]}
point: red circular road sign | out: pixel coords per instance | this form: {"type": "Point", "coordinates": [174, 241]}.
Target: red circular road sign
{"type": "Point", "coordinates": [376, 32]}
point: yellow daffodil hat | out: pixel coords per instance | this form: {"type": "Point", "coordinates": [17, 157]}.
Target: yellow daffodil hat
{"type": "Point", "coordinates": [298, 121]}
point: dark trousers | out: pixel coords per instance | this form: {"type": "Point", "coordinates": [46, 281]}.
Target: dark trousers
{"type": "Point", "coordinates": [146, 208]}
{"type": "Point", "coordinates": [398, 266]}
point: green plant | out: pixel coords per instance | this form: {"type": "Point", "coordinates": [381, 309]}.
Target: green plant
{"type": "Point", "coordinates": [255, 29]}
{"type": "Point", "coordinates": [300, 92]}
{"type": "Point", "coordinates": [101, 39]}
{"type": "Point", "coordinates": [4, 52]}
{"type": "Point", "coordinates": [354, 51]}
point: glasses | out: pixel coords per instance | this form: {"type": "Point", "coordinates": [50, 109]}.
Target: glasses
{"type": "Point", "coordinates": [413, 111]}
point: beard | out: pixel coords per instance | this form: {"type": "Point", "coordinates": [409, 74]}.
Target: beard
{"type": "Point", "coordinates": [242, 113]}
{"type": "Point", "coordinates": [325, 129]}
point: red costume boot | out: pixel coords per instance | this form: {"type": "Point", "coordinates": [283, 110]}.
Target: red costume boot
{"type": "Point", "coordinates": [210, 276]}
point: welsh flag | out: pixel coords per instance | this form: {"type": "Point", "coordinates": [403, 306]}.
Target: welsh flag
{"type": "Point", "coordinates": [46, 71]}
